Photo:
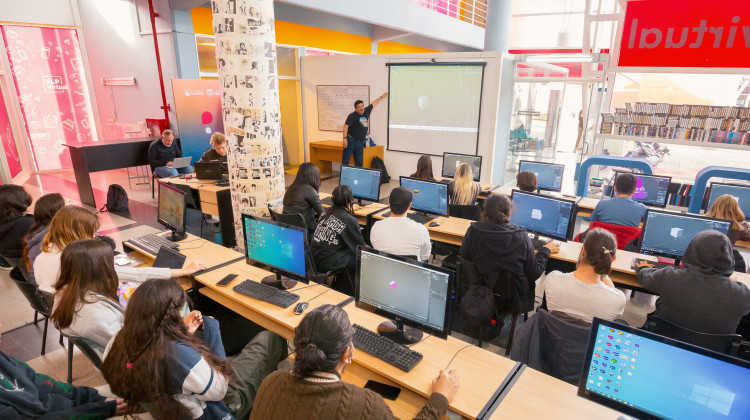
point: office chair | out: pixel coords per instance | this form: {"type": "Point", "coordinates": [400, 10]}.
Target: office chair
{"type": "Point", "coordinates": [722, 343]}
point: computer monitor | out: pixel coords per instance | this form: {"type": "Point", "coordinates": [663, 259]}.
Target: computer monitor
{"type": "Point", "coordinates": [452, 160]}
{"type": "Point", "coordinates": [406, 290]}
{"type": "Point", "coordinates": [544, 215]}
{"type": "Point", "coordinates": [650, 190]}
{"type": "Point", "coordinates": [429, 196]}
{"type": "Point", "coordinates": [365, 183]}
{"type": "Point", "coordinates": [648, 376]}
{"type": "Point", "coordinates": [171, 210]}
{"type": "Point", "coordinates": [741, 193]}
{"type": "Point", "coordinates": [668, 234]}
{"type": "Point", "coordinates": [277, 245]}
{"type": "Point", "coordinates": [548, 175]}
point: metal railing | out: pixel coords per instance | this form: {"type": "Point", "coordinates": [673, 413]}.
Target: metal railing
{"type": "Point", "coordinates": [471, 11]}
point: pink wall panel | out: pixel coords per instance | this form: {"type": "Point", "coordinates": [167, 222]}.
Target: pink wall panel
{"type": "Point", "coordinates": [9, 144]}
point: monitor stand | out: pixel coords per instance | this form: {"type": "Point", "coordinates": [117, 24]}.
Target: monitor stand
{"type": "Point", "coordinates": [276, 280]}
{"type": "Point", "coordinates": [400, 333]}
{"type": "Point", "coordinates": [175, 237]}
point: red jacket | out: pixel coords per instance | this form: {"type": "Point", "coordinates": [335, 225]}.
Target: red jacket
{"type": "Point", "coordinates": [624, 234]}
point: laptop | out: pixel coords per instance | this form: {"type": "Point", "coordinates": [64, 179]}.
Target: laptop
{"type": "Point", "coordinates": [169, 258]}
{"type": "Point", "coordinates": [211, 171]}
{"type": "Point", "coordinates": [182, 162]}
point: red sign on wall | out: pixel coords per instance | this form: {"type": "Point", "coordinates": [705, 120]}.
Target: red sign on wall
{"type": "Point", "coordinates": [686, 33]}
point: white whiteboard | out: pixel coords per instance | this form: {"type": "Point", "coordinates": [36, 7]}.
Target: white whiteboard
{"type": "Point", "coordinates": [336, 102]}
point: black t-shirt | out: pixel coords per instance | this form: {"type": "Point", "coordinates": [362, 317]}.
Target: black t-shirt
{"type": "Point", "coordinates": [358, 124]}
{"type": "Point", "coordinates": [335, 240]}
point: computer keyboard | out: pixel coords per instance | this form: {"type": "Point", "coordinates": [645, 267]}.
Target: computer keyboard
{"type": "Point", "coordinates": [151, 243]}
{"type": "Point", "coordinates": [327, 201]}
{"type": "Point", "coordinates": [419, 218]}
{"type": "Point", "coordinates": [385, 349]}
{"type": "Point", "coordinates": [539, 243]}
{"type": "Point", "coordinates": [266, 293]}
{"type": "Point", "coordinates": [636, 260]}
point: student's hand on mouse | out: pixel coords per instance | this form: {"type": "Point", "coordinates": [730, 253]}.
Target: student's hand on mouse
{"type": "Point", "coordinates": [553, 247]}
{"type": "Point", "coordinates": [195, 266]}
{"type": "Point", "coordinates": [355, 207]}
{"type": "Point", "coordinates": [446, 384]}
{"type": "Point", "coordinates": [644, 264]}
{"type": "Point", "coordinates": [193, 320]}
{"type": "Point", "coordinates": [122, 406]}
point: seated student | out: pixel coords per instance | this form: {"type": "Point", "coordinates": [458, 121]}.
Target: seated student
{"type": "Point", "coordinates": [493, 244]}
{"type": "Point", "coordinates": [588, 292]}
{"type": "Point", "coordinates": [161, 156]}
{"type": "Point", "coordinates": [30, 395]}
{"type": "Point", "coordinates": [398, 234]}
{"type": "Point", "coordinates": [463, 190]}
{"type": "Point", "coordinates": [727, 208]}
{"type": "Point", "coordinates": [334, 244]}
{"type": "Point", "coordinates": [218, 150]}
{"type": "Point", "coordinates": [14, 222]}
{"type": "Point", "coordinates": [314, 389]}
{"type": "Point", "coordinates": [526, 181]}
{"type": "Point", "coordinates": [157, 359]}
{"type": "Point", "coordinates": [621, 209]}
{"type": "Point", "coordinates": [302, 196]}
{"type": "Point", "coordinates": [44, 210]}
{"type": "Point", "coordinates": [424, 169]}
{"type": "Point", "coordinates": [702, 296]}
{"type": "Point", "coordinates": [72, 223]}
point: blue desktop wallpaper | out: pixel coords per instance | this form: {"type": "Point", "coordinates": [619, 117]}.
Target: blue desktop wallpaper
{"type": "Point", "coordinates": [276, 246]}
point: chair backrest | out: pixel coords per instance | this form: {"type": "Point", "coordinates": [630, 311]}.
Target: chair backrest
{"type": "Point", "coordinates": [721, 343]}
{"type": "Point", "coordinates": [31, 293]}
{"type": "Point", "coordinates": [86, 350]}
{"type": "Point", "coordinates": [294, 219]}
{"type": "Point", "coordinates": [190, 199]}
{"type": "Point", "coordinates": [471, 212]}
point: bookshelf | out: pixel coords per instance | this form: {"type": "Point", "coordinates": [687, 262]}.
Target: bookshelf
{"type": "Point", "coordinates": [674, 141]}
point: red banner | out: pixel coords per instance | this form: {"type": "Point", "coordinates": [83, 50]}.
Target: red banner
{"type": "Point", "coordinates": [686, 33]}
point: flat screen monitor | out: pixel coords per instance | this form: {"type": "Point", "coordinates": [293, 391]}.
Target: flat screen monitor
{"type": "Point", "coordinates": [365, 183]}
{"type": "Point", "coordinates": [668, 234]}
{"type": "Point", "coordinates": [653, 377]}
{"type": "Point", "coordinates": [171, 210]}
{"type": "Point", "coordinates": [452, 160]}
{"type": "Point", "coordinates": [548, 175]}
{"type": "Point", "coordinates": [277, 245]}
{"type": "Point", "coordinates": [543, 215]}
{"type": "Point", "coordinates": [408, 291]}
{"type": "Point", "coordinates": [650, 190]}
{"type": "Point", "coordinates": [741, 193]}
{"type": "Point", "coordinates": [429, 196]}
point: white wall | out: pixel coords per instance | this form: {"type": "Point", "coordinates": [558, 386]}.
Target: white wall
{"type": "Point", "coordinates": [371, 70]}
{"type": "Point", "coordinates": [43, 12]}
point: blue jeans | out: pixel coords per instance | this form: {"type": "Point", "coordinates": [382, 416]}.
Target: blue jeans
{"type": "Point", "coordinates": [167, 172]}
{"type": "Point", "coordinates": [354, 147]}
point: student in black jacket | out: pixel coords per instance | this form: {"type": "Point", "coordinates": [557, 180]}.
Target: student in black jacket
{"type": "Point", "coordinates": [334, 244]}
{"type": "Point", "coordinates": [161, 156]}
{"type": "Point", "coordinates": [493, 244]}
{"type": "Point", "coordinates": [14, 222]}
{"type": "Point", "coordinates": [302, 196]}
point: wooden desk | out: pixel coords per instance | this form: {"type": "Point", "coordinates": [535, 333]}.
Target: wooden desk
{"type": "Point", "coordinates": [535, 395]}
{"type": "Point", "coordinates": [216, 201]}
{"type": "Point", "coordinates": [324, 153]}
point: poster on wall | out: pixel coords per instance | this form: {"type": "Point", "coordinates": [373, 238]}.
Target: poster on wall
{"type": "Point", "coordinates": [50, 82]}
{"type": "Point", "coordinates": [198, 108]}
{"type": "Point", "coordinates": [9, 143]}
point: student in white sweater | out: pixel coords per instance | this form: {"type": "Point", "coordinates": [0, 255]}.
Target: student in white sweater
{"type": "Point", "coordinates": [588, 292]}
{"type": "Point", "coordinates": [398, 234]}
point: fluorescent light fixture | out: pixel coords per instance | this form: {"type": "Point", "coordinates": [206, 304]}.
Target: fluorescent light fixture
{"type": "Point", "coordinates": [118, 81]}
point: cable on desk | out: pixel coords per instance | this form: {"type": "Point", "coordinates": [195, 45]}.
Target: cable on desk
{"type": "Point", "coordinates": [327, 290]}
{"type": "Point", "coordinates": [193, 247]}
{"type": "Point", "coordinates": [414, 344]}
{"type": "Point", "coordinates": [312, 285]}
{"type": "Point", "coordinates": [459, 351]}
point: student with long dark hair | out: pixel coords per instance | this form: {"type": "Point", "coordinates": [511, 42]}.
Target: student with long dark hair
{"type": "Point", "coordinates": [44, 210]}
{"type": "Point", "coordinates": [302, 196]}
{"type": "Point", "coordinates": [314, 390]}
{"type": "Point", "coordinates": [424, 169]}
{"type": "Point", "coordinates": [14, 222]}
{"type": "Point", "coordinates": [157, 359]}
{"type": "Point", "coordinates": [493, 244]}
{"type": "Point", "coordinates": [588, 292]}
{"type": "Point", "coordinates": [334, 244]}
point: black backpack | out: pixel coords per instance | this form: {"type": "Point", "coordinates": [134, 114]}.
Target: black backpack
{"type": "Point", "coordinates": [377, 163]}
{"type": "Point", "coordinates": [478, 306]}
{"type": "Point", "coordinates": [117, 199]}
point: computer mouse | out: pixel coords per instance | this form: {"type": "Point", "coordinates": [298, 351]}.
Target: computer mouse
{"type": "Point", "coordinates": [300, 308]}
{"type": "Point", "coordinates": [433, 224]}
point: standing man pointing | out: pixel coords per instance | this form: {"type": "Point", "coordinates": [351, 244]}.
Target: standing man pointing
{"type": "Point", "coordinates": [355, 130]}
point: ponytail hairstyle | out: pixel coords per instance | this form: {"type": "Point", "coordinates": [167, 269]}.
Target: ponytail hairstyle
{"type": "Point", "coordinates": [343, 198]}
{"type": "Point", "coordinates": [496, 209]}
{"type": "Point", "coordinates": [137, 366]}
{"type": "Point", "coordinates": [320, 340]}
{"type": "Point", "coordinates": [600, 246]}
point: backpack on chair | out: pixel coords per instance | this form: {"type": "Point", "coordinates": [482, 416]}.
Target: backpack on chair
{"type": "Point", "coordinates": [117, 199]}
{"type": "Point", "coordinates": [377, 163]}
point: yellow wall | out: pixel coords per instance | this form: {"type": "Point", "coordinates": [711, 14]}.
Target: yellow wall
{"type": "Point", "coordinates": [307, 36]}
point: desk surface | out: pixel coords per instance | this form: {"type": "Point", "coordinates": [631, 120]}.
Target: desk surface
{"type": "Point", "coordinates": [196, 183]}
